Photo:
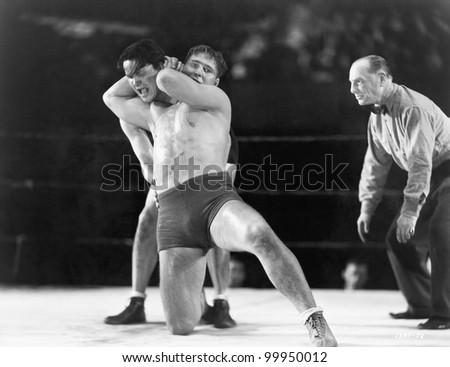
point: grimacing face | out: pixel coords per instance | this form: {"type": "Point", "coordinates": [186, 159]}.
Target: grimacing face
{"type": "Point", "coordinates": [143, 80]}
{"type": "Point", "coordinates": [365, 86]}
{"type": "Point", "coordinates": [202, 69]}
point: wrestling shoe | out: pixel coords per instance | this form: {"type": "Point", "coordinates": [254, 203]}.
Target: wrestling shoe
{"type": "Point", "coordinates": [222, 318]}
{"type": "Point", "coordinates": [435, 323]}
{"type": "Point", "coordinates": [408, 315]}
{"type": "Point", "coordinates": [319, 331]}
{"type": "Point", "coordinates": [133, 314]}
{"type": "Point", "coordinates": [208, 316]}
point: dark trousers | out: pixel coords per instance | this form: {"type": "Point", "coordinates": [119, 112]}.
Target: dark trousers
{"type": "Point", "coordinates": [426, 293]}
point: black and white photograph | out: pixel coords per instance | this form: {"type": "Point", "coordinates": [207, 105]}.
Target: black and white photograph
{"type": "Point", "coordinates": [252, 178]}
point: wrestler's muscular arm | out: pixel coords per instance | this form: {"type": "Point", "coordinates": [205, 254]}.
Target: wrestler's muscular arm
{"type": "Point", "coordinates": [127, 106]}
{"type": "Point", "coordinates": [122, 99]}
{"type": "Point", "coordinates": [200, 96]}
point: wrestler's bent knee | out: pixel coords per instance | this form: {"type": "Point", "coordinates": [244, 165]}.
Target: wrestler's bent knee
{"type": "Point", "coordinates": [180, 327]}
{"type": "Point", "coordinates": [260, 238]}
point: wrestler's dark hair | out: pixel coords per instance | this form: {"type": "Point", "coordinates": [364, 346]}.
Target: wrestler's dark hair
{"type": "Point", "coordinates": [143, 52]}
{"type": "Point", "coordinates": [376, 64]}
{"type": "Point", "coordinates": [216, 56]}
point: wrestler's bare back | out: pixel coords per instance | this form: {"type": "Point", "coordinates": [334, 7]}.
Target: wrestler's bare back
{"type": "Point", "coordinates": [188, 142]}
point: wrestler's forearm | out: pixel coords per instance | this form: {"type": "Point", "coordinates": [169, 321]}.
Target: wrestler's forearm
{"type": "Point", "coordinates": [175, 84]}
{"type": "Point", "coordinates": [127, 106]}
{"type": "Point", "coordinates": [120, 89]}
{"type": "Point", "coordinates": [183, 88]}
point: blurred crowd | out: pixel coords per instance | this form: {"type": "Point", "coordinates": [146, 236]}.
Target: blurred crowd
{"type": "Point", "coordinates": [318, 40]}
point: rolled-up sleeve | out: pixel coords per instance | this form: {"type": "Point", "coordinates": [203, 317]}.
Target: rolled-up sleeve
{"type": "Point", "coordinates": [377, 163]}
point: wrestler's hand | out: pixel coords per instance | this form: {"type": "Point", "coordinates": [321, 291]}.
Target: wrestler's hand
{"type": "Point", "coordinates": [405, 228]}
{"type": "Point", "coordinates": [172, 63]}
{"type": "Point", "coordinates": [363, 225]}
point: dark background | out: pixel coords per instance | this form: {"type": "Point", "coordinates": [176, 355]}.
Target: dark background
{"type": "Point", "coordinates": [288, 83]}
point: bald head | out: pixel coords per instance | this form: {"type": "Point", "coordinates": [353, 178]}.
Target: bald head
{"type": "Point", "coordinates": [375, 64]}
